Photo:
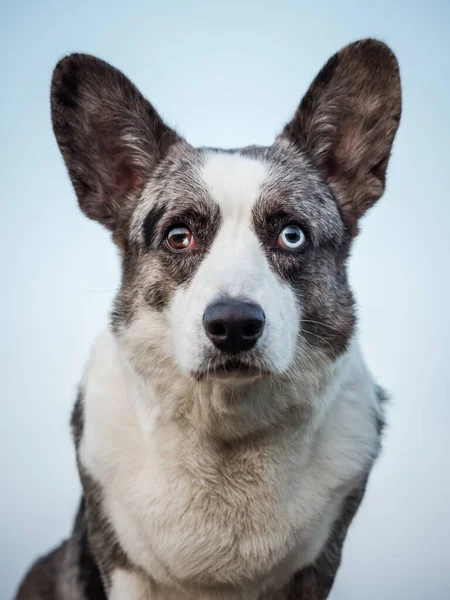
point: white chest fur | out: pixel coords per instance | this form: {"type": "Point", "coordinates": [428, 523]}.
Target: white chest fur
{"type": "Point", "coordinates": [237, 519]}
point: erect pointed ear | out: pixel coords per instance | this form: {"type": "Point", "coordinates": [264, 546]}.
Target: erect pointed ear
{"type": "Point", "coordinates": [347, 122]}
{"type": "Point", "coordinates": [109, 135]}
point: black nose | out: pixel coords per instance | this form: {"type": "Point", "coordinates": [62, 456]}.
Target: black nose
{"type": "Point", "coordinates": [233, 325]}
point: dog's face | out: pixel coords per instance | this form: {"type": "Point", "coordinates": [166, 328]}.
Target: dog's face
{"type": "Point", "coordinates": [233, 261]}
{"type": "Point", "coordinates": [233, 251]}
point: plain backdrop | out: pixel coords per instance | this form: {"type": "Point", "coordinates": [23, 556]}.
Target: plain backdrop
{"type": "Point", "coordinates": [227, 74]}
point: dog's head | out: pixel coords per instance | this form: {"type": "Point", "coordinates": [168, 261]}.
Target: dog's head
{"type": "Point", "coordinates": [233, 261]}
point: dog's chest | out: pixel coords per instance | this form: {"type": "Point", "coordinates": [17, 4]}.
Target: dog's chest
{"type": "Point", "coordinates": [252, 521]}
{"type": "Point", "coordinates": [212, 520]}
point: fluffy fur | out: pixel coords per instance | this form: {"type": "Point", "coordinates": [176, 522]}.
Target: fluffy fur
{"type": "Point", "coordinates": [210, 476]}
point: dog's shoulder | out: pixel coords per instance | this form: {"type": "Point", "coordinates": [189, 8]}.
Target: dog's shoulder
{"type": "Point", "coordinates": [70, 572]}
{"type": "Point", "coordinates": [40, 583]}
{"type": "Point", "coordinates": [315, 581]}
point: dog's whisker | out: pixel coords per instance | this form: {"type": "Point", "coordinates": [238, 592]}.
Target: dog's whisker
{"type": "Point", "coordinates": [331, 327]}
{"type": "Point", "coordinates": [321, 338]}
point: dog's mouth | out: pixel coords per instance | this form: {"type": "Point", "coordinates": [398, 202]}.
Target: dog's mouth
{"type": "Point", "coordinates": [232, 368]}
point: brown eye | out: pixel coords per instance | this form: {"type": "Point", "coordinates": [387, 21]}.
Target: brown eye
{"type": "Point", "coordinates": [180, 238]}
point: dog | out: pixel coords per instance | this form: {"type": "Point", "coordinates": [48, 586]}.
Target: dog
{"type": "Point", "coordinates": [226, 423]}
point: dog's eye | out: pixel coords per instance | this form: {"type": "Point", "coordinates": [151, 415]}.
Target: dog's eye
{"type": "Point", "coordinates": [180, 238]}
{"type": "Point", "coordinates": [291, 238]}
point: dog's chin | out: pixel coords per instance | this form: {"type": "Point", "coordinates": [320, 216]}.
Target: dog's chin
{"type": "Point", "coordinates": [232, 369]}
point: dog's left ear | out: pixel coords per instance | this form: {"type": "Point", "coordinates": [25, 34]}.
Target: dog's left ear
{"type": "Point", "coordinates": [347, 122]}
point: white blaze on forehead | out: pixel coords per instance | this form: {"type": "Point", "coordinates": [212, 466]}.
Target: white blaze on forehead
{"type": "Point", "coordinates": [234, 182]}
{"type": "Point", "coordinates": [236, 258]}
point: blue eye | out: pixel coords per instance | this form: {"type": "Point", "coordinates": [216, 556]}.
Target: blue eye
{"type": "Point", "coordinates": [291, 238]}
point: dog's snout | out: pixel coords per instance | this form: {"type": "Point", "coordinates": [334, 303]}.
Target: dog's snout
{"type": "Point", "coordinates": [234, 325]}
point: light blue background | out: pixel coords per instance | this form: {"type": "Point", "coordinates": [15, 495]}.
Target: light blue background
{"type": "Point", "coordinates": [227, 74]}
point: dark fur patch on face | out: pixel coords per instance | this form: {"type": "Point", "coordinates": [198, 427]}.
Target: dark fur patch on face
{"type": "Point", "coordinates": [176, 197]}
{"type": "Point", "coordinates": [151, 221]}
{"type": "Point", "coordinates": [296, 194]}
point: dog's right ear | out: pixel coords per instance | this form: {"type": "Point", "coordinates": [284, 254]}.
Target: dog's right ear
{"type": "Point", "coordinates": [109, 135]}
{"type": "Point", "coordinates": [347, 122]}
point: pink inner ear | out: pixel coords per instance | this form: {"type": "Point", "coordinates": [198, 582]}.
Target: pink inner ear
{"type": "Point", "coordinates": [347, 152]}
{"type": "Point", "coordinates": [128, 176]}
{"type": "Point", "coordinates": [136, 180]}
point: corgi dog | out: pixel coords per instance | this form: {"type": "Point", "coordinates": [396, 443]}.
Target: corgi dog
{"type": "Point", "coordinates": [226, 422]}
